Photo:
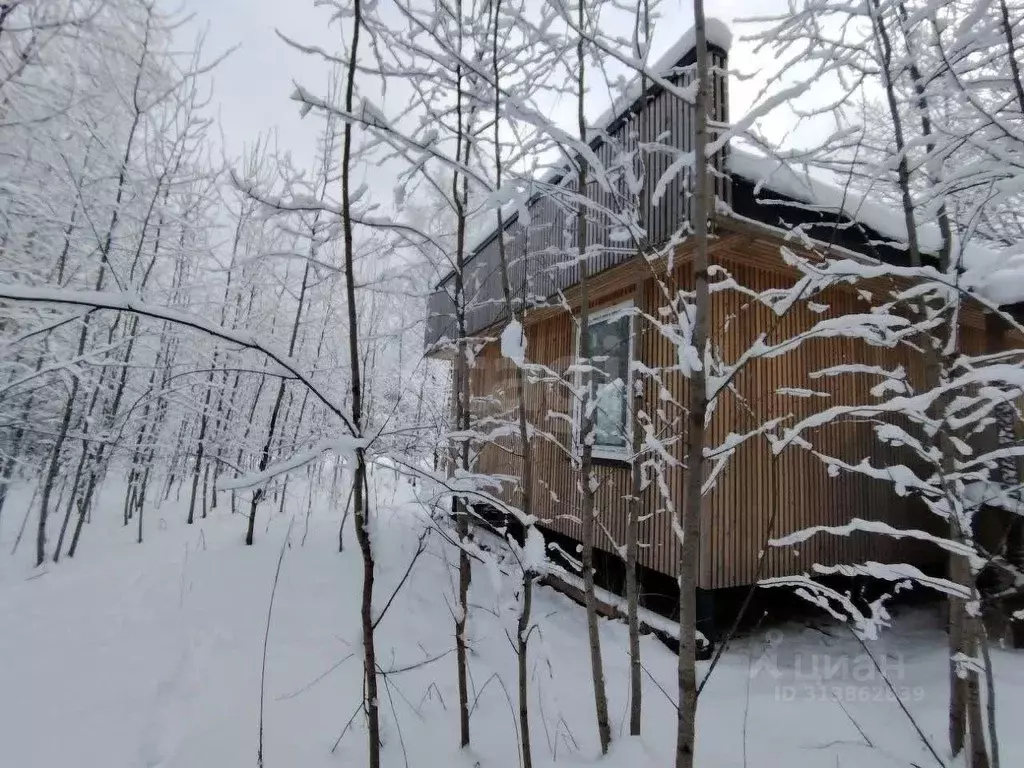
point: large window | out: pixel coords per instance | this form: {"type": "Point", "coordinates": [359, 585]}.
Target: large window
{"type": "Point", "coordinates": [609, 347]}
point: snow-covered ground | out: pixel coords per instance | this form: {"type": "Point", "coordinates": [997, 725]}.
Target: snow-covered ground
{"type": "Point", "coordinates": [150, 655]}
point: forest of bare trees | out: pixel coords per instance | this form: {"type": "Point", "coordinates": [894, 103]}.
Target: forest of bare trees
{"type": "Point", "coordinates": [191, 332]}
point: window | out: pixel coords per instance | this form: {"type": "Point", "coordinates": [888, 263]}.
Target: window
{"type": "Point", "coordinates": [609, 348]}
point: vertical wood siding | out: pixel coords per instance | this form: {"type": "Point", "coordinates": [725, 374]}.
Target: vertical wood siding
{"type": "Point", "coordinates": [793, 489]}
{"type": "Point", "coordinates": [541, 254]}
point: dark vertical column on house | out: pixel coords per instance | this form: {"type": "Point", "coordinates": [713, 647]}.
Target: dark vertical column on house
{"type": "Point", "coordinates": [720, 112]}
{"type": "Point", "coordinates": [1008, 471]}
{"type": "Point", "coordinates": [1001, 530]}
{"type": "Point", "coordinates": [718, 115]}
{"type": "Point", "coordinates": [676, 117]}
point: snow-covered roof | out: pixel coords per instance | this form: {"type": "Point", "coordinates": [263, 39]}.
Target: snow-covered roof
{"type": "Point", "coordinates": [998, 274]}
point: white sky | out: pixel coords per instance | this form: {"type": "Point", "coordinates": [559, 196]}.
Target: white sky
{"type": "Point", "coordinates": [252, 87]}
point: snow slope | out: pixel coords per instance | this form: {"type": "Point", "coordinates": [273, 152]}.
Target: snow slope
{"type": "Point", "coordinates": [149, 655]}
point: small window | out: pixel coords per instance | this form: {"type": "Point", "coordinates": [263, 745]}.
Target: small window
{"type": "Point", "coordinates": [609, 348]}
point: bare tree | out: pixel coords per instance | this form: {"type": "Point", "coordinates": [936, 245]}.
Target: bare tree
{"type": "Point", "coordinates": [360, 509]}
{"type": "Point", "coordinates": [515, 310]}
{"type": "Point", "coordinates": [689, 528]}
{"type": "Point", "coordinates": [587, 479]}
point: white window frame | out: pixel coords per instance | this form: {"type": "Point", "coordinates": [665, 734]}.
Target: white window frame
{"type": "Point", "coordinates": [624, 453]}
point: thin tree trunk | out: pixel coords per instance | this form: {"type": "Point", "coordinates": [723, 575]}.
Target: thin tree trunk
{"type": "Point", "coordinates": [98, 469]}
{"type": "Point", "coordinates": [149, 452]}
{"type": "Point", "coordinates": [587, 479]}
{"type": "Point", "coordinates": [196, 471]}
{"type": "Point", "coordinates": [275, 412]}
{"type": "Point", "coordinates": [83, 510]}
{"type": "Point", "coordinates": [24, 520]}
{"type": "Point", "coordinates": [12, 460]}
{"type": "Point", "coordinates": [201, 447]}
{"type": "Point", "coordinates": [141, 498]}
{"type": "Point", "coordinates": [206, 489]}
{"type": "Point", "coordinates": [979, 750]}
{"type": "Point", "coordinates": [515, 308]}
{"type": "Point", "coordinates": [129, 498]}
{"type": "Point", "coordinates": [297, 433]}
{"type": "Point", "coordinates": [175, 460]}
{"type": "Point", "coordinates": [990, 691]}
{"type": "Point", "coordinates": [55, 457]}
{"type": "Point", "coordinates": [67, 513]}
{"type": "Point", "coordinates": [66, 420]}
{"type": "Point", "coordinates": [79, 524]}
{"type": "Point", "coordinates": [686, 734]}
{"type": "Point", "coordinates": [139, 508]}
{"type": "Point", "coordinates": [632, 588]}
{"type": "Point", "coordinates": [148, 428]}
{"type": "Point", "coordinates": [21, 431]}
{"type": "Point", "coordinates": [371, 703]}
{"type": "Point", "coordinates": [636, 479]}
{"type": "Point", "coordinates": [104, 262]}
{"type": "Point", "coordinates": [259, 493]}
{"type": "Point", "coordinates": [523, 638]}
{"type": "Point", "coordinates": [284, 495]}
{"type": "Point", "coordinates": [460, 194]}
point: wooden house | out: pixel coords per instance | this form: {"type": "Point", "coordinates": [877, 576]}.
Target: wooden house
{"type": "Point", "coordinates": [758, 495]}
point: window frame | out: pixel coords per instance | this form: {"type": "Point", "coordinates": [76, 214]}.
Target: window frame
{"type": "Point", "coordinates": [626, 308]}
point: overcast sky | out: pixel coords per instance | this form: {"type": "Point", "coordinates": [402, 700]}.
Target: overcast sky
{"type": "Point", "coordinates": [252, 87]}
